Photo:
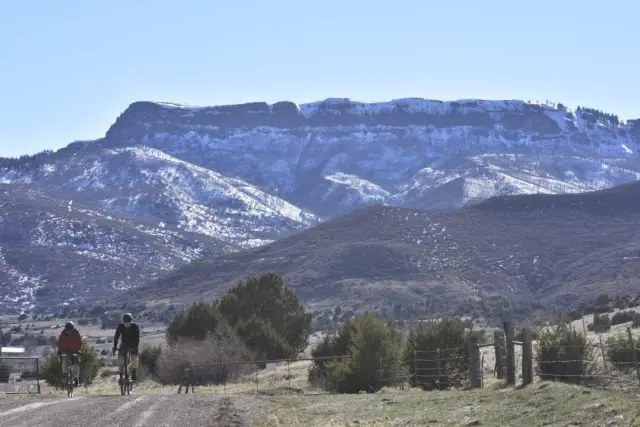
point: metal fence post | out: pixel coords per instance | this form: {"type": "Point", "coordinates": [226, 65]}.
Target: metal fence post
{"type": "Point", "coordinates": [527, 357]}
{"type": "Point", "coordinates": [634, 353]}
{"type": "Point", "coordinates": [38, 374]}
{"type": "Point", "coordinates": [474, 361]}
{"type": "Point", "coordinates": [498, 346]}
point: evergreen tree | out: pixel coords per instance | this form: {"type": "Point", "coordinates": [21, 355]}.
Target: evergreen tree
{"type": "Point", "coordinates": [262, 309]}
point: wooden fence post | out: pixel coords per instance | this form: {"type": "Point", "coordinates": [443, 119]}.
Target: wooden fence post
{"type": "Point", "coordinates": [634, 353]}
{"type": "Point", "coordinates": [511, 356]}
{"type": "Point", "coordinates": [474, 361]}
{"type": "Point", "coordinates": [439, 380]}
{"type": "Point", "coordinates": [527, 357]}
{"type": "Point", "coordinates": [498, 346]}
{"type": "Point", "coordinates": [416, 383]}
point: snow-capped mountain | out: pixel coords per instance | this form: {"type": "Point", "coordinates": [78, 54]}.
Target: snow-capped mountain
{"type": "Point", "coordinates": [146, 183]}
{"type": "Point", "coordinates": [54, 250]}
{"type": "Point", "coordinates": [336, 155]}
{"type": "Point", "coordinates": [244, 175]}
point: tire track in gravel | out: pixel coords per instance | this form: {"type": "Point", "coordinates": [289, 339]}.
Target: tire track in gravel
{"type": "Point", "coordinates": [134, 411]}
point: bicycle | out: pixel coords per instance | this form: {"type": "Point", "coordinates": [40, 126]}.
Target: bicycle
{"type": "Point", "coordinates": [69, 385]}
{"type": "Point", "coordinates": [126, 383]}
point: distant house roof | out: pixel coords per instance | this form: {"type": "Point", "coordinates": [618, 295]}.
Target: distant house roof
{"type": "Point", "coordinates": [11, 350]}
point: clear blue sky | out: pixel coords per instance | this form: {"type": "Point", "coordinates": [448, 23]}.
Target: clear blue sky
{"type": "Point", "coordinates": [68, 68]}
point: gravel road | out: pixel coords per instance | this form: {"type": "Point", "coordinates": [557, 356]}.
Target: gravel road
{"type": "Point", "coordinates": [131, 411]}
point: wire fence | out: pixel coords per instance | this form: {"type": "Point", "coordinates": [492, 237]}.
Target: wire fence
{"type": "Point", "coordinates": [282, 376]}
{"type": "Point", "coordinates": [441, 369]}
{"type": "Point", "coordinates": [594, 365]}
{"type": "Point", "coordinates": [609, 366]}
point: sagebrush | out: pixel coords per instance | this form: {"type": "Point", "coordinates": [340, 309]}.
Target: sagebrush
{"type": "Point", "coordinates": [213, 360]}
{"type": "Point", "coordinates": [436, 354]}
{"type": "Point", "coordinates": [89, 366]}
{"type": "Point", "coordinates": [620, 351]}
{"type": "Point", "coordinates": [564, 354]}
{"type": "Point", "coordinates": [621, 317]}
{"type": "Point", "coordinates": [601, 323]}
{"type": "Point", "coordinates": [374, 351]}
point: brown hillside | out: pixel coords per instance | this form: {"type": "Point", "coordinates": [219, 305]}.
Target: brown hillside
{"type": "Point", "coordinates": [536, 252]}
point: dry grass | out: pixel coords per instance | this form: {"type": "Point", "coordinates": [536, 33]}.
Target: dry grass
{"type": "Point", "coordinates": [581, 324]}
{"type": "Point", "coordinates": [286, 378]}
{"type": "Point", "coordinates": [540, 404]}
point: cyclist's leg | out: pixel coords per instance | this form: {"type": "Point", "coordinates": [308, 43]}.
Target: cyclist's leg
{"type": "Point", "coordinates": [64, 365]}
{"type": "Point", "coordinates": [134, 363]}
{"type": "Point", "coordinates": [121, 361]}
{"type": "Point", "coordinates": [75, 370]}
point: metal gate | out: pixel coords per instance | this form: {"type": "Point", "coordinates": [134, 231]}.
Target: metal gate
{"type": "Point", "coordinates": [19, 375]}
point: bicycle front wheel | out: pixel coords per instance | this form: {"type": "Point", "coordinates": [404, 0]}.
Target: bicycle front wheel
{"type": "Point", "coordinates": [69, 384]}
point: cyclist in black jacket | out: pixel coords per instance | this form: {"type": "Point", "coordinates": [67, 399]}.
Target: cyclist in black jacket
{"type": "Point", "coordinates": [130, 334]}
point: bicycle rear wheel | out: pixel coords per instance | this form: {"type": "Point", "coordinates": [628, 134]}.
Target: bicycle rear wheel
{"type": "Point", "coordinates": [123, 381]}
{"type": "Point", "coordinates": [123, 385]}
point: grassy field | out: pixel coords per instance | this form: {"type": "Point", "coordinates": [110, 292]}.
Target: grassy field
{"type": "Point", "coordinates": [549, 404]}
{"type": "Point", "coordinates": [290, 401]}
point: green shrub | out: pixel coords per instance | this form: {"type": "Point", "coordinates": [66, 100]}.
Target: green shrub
{"type": "Point", "coordinates": [563, 354]}
{"type": "Point", "coordinates": [335, 345]}
{"type": "Point", "coordinates": [196, 322]}
{"type": "Point", "coordinates": [622, 302]}
{"type": "Point", "coordinates": [600, 309]}
{"type": "Point", "coordinates": [374, 357]}
{"type": "Point", "coordinates": [621, 317]}
{"type": "Point", "coordinates": [601, 323]}
{"type": "Point", "coordinates": [575, 314]}
{"type": "Point", "coordinates": [259, 336]}
{"type": "Point", "coordinates": [436, 354]}
{"type": "Point", "coordinates": [620, 351]}
{"type": "Point", "coordinates": [268, 316]}
{"type": "Point", "coordinates": [89, 365]}
{"type": "Point", "coordinates": [603, 299]}
{"type": "Point", "coordinates": [148, 358]}
{"type": "Point", "coordinates": [519, 336]}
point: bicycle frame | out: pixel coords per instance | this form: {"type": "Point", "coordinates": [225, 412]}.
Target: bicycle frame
{"type": "Point", "coordinates": [126, 383]}
{"type": "Point", "coordinates": [69, 374]}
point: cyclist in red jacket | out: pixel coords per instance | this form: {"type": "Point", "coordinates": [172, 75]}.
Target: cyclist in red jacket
{"type": "Point", "coordinates": [70, 343]}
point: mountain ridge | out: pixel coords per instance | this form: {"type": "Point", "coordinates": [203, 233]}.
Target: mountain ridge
{"type": "Point", "coordinates": [55, 251]}
{"type": "Point", "coordinates": [551, 255]}
{"type": "Point", "coordinates": [246, 175]}
{"type": "Point", "coordinates": [505, 143]}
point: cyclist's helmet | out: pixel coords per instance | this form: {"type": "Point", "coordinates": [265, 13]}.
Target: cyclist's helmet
{"type": "Point", "coordinates": [68, 326]}
{"type": "Point", "coordinates": [127, 318]}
